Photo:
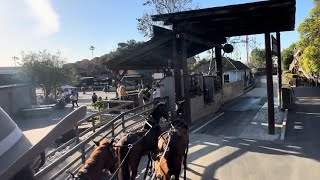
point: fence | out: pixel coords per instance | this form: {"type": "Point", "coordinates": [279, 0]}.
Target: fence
{"type": "Point", "coordinates": [103, 129]}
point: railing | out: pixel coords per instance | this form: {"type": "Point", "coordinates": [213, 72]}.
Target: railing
{"type": "Point", "coordinates": [104, 128]}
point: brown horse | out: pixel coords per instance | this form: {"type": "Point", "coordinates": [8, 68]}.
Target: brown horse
{"type": "Point", "coordinates": [133, 146]}
{"type": "Point", "coordinates": [102, 159]}
{"type": "Point", "coordinates": [172, 148]}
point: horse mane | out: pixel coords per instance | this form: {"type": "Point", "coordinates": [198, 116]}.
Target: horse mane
{"type": "Point", "coordinates": [92, 160]}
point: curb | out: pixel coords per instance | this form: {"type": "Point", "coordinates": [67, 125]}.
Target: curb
{"type": "Point", "coordinates": [284, 124]}
{"type": "Point", "coordinates": [249, 88]}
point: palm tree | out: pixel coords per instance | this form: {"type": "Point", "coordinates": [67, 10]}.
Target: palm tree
{"type": "Point", "coordinates": [92, 49]}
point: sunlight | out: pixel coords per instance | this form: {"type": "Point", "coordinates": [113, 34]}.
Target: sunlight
{"type": "Point", "coordinates": [308, 113]}
{"type": "Point", "coordinates": [207, 158]}
{"type": "Point", "coordinates": [280, 150]}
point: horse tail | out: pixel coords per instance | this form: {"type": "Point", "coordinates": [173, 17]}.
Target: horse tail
{"type": "Point", "coordinates": [185, 161]}
{"type": "Point", "coordinates": [124, 172]}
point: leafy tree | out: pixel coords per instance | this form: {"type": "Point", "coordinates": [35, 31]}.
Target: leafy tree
{"type": "Point", "coordinates": [287, 56]}
{"type": "Point", "coordinates": [122, 49]}
{"type": "Point", "coordinates": [310, 40]}
{"type": "Point", "coordinates": [258, 58]}
{"type": "Point", "coordinates": [160, 7]}
{"type": "Point", "coordinates": [46, 70]}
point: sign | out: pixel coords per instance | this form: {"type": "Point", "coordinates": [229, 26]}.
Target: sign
{"type": "Point", "coordinates": [274, 50]}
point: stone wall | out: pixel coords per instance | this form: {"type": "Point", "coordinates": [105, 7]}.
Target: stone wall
{"type": "Point", "coordinates": [230, 91]}
{"type": "Point", "coordinates": [16, 97]}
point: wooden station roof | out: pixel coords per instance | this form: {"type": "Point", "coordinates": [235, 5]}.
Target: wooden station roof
{"type": "Point", "coordinates": [211, 24]}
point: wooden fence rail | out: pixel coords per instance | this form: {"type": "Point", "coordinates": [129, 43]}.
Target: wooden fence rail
{"type": "Point", "coordinates": [106, 128]}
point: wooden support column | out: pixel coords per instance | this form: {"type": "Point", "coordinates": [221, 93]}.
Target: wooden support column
{"type": "Point", "coordinates": [219, 63]}
{"type": "Point", "coordinates": [279, 70]}
{"type": "Point", "coordinates": [269, 84]}
{"type": "Point", "coordinates": [187, 110]}
{"type": "Point", "coordinates": [176, 66]}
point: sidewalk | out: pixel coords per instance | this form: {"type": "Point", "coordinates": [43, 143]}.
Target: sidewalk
{"type": "Point", "coordinates": [258, 128]}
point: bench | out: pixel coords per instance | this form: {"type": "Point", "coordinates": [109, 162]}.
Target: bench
{"type": "Point", "coordinates": [36, 111]}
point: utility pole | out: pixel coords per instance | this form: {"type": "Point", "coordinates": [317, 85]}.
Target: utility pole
{"type": "Point", "coordinates": [247, 48]}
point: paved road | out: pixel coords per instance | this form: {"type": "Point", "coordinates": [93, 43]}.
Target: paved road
{"type": "Point", "coordinates": [216, 151]}
{"type": "Point", "coordinates": [238, 113]}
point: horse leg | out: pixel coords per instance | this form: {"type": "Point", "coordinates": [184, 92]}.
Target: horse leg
{"type": "Point", "coordinates": [185, 162]}
{"type": "Point", "coordinates": [147, 168]}
{"type": "Point", "coordinates": [134, 168]}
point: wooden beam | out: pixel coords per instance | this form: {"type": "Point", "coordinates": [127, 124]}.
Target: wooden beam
{"type": "Point", "coordinates": [198, 40]}
{"type": "Point", "coordinates": [176, 66]}
{"type": "Point", "coordinates": [269, 84]}
{"type": "Point", "coordinates": [187, 110]}
{"type": "Point", "coordinates": [219, 64]}
{"type": "Point", "coordinates": [279, 70]}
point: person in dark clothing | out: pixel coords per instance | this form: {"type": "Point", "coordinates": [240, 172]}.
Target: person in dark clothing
{"type": "Point", "coordinates": [94, 98]}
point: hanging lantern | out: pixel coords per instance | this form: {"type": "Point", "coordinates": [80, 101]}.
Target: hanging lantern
{"type": "Point", "coordinates": [228, 48]}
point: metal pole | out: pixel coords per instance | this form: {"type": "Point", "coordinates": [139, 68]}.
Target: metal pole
{"type": "Point", "coordinates": [269, 84]}
{"type": "Point", "coordinates": [279, 70]}
{"type": "Point", "coordinates": [187, 112]}
{"type": "Point", "coordinates": [176, 66]}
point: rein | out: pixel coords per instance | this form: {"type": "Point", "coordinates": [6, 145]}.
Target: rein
{"type": "Point", "coordinates": [130, 147]}
{"type": "Point", "coordinates": [164, 153]}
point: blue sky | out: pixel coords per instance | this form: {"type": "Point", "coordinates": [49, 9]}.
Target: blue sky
{"type": "Point", "coordinates": [72, 26]}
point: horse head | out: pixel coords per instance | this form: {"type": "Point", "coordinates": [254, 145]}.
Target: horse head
{"type": "Point", "coordinates": [180, 107]}
{"type": "Point", "coordinates": [102, 158]}
{"type": "Point", "coordinates": [158, 112]}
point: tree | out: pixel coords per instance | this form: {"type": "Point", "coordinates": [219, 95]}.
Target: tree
{"type": "Point", "coordinates": [46, 70]}
{"type": "Point", "coordinates": [122, 49]}
{"type": "Point", "coordinates": [258, 58]}
{"type": "Point", "coordinates": [287, 56]}
{"type": "Point", "coordinates": [310, 40]}
{"type": "Point", "coordinates": [145, 23]}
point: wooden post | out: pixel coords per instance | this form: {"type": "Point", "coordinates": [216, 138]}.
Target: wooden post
{"type": "Point", "coordinates": [187, 110]}
{"type": "Point", "coordinates": [112, 130]}
{"type": "Point", "coordinates": [279, 71]}
{"type": "Point", "coordinates": [176, 64]}
{"type": "Point", "coordinates": [269, 84]}
{"type": "Point", "coordinates": [93, 124]}
{"type": "Point", "coordinates": [219, 64]}
{"type": "Point", "coordinates": [122, 122]}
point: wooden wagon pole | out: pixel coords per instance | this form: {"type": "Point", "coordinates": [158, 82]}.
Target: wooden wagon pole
{"type": "Point", "coordinates": [279, 70]}
{"type": "Point", "coordinates": [269, 84]}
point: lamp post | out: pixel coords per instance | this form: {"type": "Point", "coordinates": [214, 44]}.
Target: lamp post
{"type": "Point", "coordinates": [92, 49]}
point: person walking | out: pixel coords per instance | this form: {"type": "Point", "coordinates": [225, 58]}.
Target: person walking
{"type": "Point", "coordinates": [74, 99]}
{"type": "Point", "coordinates": [94, 98]}
{"type": "Point", "coordinates": [142, 97]}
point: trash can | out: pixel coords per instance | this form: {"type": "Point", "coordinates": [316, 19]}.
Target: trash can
{"type": "Point", "coordinates": [286, 97]}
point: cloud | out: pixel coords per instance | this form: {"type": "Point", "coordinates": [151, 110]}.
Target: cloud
{"type": "Point", "coordinates": [45, 15]}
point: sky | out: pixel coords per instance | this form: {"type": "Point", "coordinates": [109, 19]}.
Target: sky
{"type": "Point", "coordinates": [72, 26]}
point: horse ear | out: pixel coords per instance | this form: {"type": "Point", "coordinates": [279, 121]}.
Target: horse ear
{"type": "Point", "coordinates": [97, 143]}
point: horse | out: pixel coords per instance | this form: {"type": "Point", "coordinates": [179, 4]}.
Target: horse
{"type": "Point", "coordinates": [101, 160]}
{"type": "Point", "coordinates": [133, 146]}
{"type": "Point", "coordinates": [172, 148]}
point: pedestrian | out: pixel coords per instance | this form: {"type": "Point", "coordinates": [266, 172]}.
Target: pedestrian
{"type": "Point", "coordinates": [94, 98]}
{"type": "Point", "coordinates": [122, 92]}
{"type": "Point", "coordinates": [156, 92]}
{"type": "Point", "coordinates": [104, 89]}
{"type": "Point", "coordinates": [142, 97]}
{"type": "Point", "coordinates": [74, 99]}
